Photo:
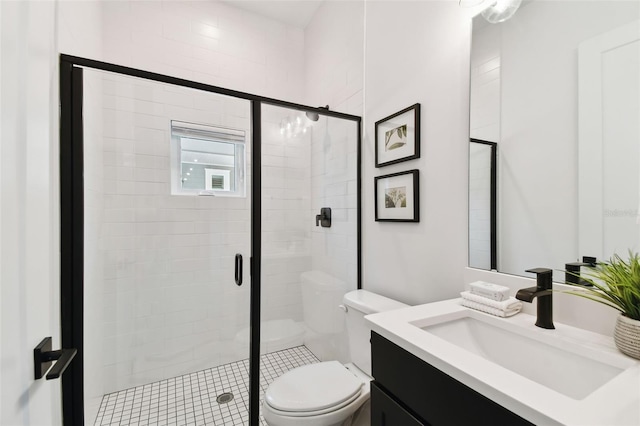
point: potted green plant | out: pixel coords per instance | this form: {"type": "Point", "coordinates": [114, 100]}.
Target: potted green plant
{"type": "Point", "coordinates": [616, 283]}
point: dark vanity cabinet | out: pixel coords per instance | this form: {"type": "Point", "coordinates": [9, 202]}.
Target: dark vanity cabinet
{"type": "Point", "coordinates": [407, 391]}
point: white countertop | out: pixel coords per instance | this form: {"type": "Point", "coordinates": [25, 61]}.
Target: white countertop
{"type": "Point", "coordinates": [615, 403]}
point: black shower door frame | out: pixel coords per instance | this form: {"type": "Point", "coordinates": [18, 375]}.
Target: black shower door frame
{"type": "Point", "coordinates": [72, 218]}
{"type": "Point", "coordinates": [493, 204]}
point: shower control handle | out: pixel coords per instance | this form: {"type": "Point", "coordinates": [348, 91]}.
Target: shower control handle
{"type": "Point", "coordinates": [324, 218]}
{"type": "Point", "coordinates": [238, 273]}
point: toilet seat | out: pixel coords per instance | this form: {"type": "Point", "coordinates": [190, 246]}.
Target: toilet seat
{"type": "Point", "coordinates": [313, 390]}
{"type": "Point", "coordinates": [315, 413]}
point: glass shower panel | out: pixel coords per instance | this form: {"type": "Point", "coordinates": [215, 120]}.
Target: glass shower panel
{"type": "Point", "coordinates": [309, 162]}
{"type": "Point", "coordinates": [161, 308]}
{"type": "Point", "coordinates": [480, 194]}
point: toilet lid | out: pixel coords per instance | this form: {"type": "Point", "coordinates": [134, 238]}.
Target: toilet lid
{"type": "Point", "coordinates": [313, 387]}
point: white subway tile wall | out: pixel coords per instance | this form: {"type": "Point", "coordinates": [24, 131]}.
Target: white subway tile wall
{"type": "Point", "coordinates": [175, 242]}
{"type": "Point", "coordinates": [209, 42]}
{"type": "Point", "coordinates": [286, 218]}
{"type": "Point", "coordinates": [334, 64]}
{"type": "Point", "coordinates": [167, 301]}
{"type": "Point", "coordinates": [169, 304]}
{"type": "Point", "coordinates": [334, 184]}
{"type": "Point", "coordinates": [334, 57]}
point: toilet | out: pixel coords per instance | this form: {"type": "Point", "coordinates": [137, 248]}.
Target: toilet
{"type": "Point", "coordinates": [329, 393]}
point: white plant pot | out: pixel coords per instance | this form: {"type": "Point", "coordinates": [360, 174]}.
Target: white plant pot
{"type": "Point", "coordinates": [627, 336]}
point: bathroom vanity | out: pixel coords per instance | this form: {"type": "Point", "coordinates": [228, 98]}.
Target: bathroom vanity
{"type": "Point", "coordinates": [410, 391]}
{"type": "Point", "coordinates": [444, 364]}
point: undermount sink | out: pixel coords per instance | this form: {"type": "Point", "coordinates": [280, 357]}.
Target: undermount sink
{"type": "Point", "coordinates": [553, 377]}
{"type": "Point", "coordinates": [565, 370]}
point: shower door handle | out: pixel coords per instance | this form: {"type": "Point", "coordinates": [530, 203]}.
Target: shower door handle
{"type": "Point", "coordinates": [238, 269]}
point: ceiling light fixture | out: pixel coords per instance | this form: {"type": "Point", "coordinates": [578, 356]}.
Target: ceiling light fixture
{"type": "Point", "coordinates": [501, 10]}
{"type": "Point", "coordinates": [494, 11]}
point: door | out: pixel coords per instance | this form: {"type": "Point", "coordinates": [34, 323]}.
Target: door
{"type": "Point", "coordinates": [609, 155]}
{"type": "Point", "coordinates": [157, 222]}
{"type": "Point", "coordinates": [310, 193]}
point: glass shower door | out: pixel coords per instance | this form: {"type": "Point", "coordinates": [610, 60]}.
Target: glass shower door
{"type": "Point", "coordinates": [309, 236]}
{"type": "Point", "coordinates": [167, 188]}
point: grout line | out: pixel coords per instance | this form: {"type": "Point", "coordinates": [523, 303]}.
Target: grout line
{"type": "Point", "coordinates": [190, 399]}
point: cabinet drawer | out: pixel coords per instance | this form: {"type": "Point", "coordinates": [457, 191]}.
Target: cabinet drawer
{"type": "Point", "coordinates": [387, 412]}
{"type": "Point", "coordinates": [431, 394]}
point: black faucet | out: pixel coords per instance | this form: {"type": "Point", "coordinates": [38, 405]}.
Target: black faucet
{"type": "Point", "coordinates": [572, 271]}
{"type": "Point", "coordinates": [542, 291]}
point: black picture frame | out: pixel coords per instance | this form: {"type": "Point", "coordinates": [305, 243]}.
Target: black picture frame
{"type": "Point", "coordinates": [397, 197]}
{"type": "Point", "coordinates": [397, 137]}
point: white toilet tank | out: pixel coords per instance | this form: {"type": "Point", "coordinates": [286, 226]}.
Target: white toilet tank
{"type": "Point", "coordinates": [321, 295]}
{"type": "Point", "coordinates": [360, 303]}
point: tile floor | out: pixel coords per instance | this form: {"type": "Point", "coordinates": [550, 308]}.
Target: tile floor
{"type": "Point", "coordinates": [191, 399]}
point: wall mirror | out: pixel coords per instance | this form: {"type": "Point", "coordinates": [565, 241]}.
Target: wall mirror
{"type": "Point", "coordinates": [557, 89]}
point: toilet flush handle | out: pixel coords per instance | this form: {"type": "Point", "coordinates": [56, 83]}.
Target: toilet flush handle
{"type": "Point", "coordinates": [344, 308]}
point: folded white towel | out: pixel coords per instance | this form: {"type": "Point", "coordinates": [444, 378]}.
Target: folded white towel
{"type": "Point", "coordinates": [490, 290]}
{"type": "Point", "coordinates": [488, 309]}
{"type": "Point", "coordinates": [505, 308]}
{"type": "Point", "coordinates": [504, 304]}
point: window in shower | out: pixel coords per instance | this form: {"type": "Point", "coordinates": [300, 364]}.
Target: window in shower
{"type": "Point", "coordinates": [207, 160]}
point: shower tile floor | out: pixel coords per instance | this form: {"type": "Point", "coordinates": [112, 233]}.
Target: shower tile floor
{"type": "Point", "coordinates": [191, 399]}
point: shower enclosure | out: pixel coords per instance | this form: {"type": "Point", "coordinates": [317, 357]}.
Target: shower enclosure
{"type": "Point", "coordinates": [188, 221]}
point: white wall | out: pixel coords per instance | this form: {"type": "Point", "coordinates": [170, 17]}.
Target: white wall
{"type": "Point", "coordinates": [29, 242]}
{"type": "Point", "coordinates": [419, 52]}
{"type": "Point", "coordinates": [334, 57]}
{"type": "Point", "coordinates": [209, 42]}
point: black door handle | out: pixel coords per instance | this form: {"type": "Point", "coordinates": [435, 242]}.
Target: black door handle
{"type": "Point", "coordinates": [43, 357]}
{"type": "Point", "coordinates": [238, 269]}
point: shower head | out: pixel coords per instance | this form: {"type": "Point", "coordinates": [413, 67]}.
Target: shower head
{"type": "Point", "coordinates": [314, 116]}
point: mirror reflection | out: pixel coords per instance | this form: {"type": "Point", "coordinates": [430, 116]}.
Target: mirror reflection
{"type": "Point", "coordinates": [557, 89]}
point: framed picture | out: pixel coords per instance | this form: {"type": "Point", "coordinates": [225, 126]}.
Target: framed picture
{"type": "Point", "coordinates": [397, 197]}
{"type": "Point", "coordinates": [398, 137]}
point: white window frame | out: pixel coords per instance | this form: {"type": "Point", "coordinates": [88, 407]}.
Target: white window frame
{"type": "Point", "coordinates": [180, 130]}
